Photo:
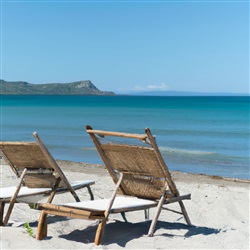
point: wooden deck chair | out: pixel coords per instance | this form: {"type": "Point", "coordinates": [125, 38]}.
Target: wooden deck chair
{"type": "Point", "coordinates": [140, 175]}
{"type": "Point", "coordinates": [39, 175]}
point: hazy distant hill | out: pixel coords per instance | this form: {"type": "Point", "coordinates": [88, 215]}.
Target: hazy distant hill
{"type": "Point", "coordinates": [72, 88]}
{"type": "Point", "coordinates": [184, 93]}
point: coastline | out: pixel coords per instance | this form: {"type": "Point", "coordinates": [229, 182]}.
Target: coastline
{"type": "Point", "coordinates": [219, 211]}
{"type": "Point", "coordinates": [178, 175]}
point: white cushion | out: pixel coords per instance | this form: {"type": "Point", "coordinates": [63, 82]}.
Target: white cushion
{"type": "Point", "coordinates": [121, 202]}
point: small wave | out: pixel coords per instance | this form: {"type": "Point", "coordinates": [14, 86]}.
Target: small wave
{"type": "Point", "coordinates": [185, 151]}
{"type": "Point", "coordinates": [89, 148]}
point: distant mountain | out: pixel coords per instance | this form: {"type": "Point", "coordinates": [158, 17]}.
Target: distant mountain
{"type": "Point", "coordinates": [72, 88]}
{"type": "Point", "coordinates": [183, 93]}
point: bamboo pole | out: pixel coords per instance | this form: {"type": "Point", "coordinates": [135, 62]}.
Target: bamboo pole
{"type": "Point", "coordinates": [2, 204]}
{"type": "Point", "coordinates": [159, 208]}
{"type": "Point", "coordinates": [142, 137]}
{"type": "Point", "coordinates": [6, 158]}
{"type": "Point", "coordinates": [52, 195]}
{"type": "Point", "coordinates": [162, 162]}
{"type": "Point", "coordinates": [55, 166]}
{"type": "Point", "coordinates": [184, 212]}
{"type": "Point", "coordinates": [168, 175]}
{"type": "Point", "coordinates": [101, 153]}
{"type": "Point", "coordinates": [90, 192]}
{"type": "Point", "coordinates": [158, 211]}
{"type": "Point", "coordinates": [42, 226]}
{"type": "Point", "coordinates": [102, 224]}
{"type": "Point", "coordinates": [13, 199]}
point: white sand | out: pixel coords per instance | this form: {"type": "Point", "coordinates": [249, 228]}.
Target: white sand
{"type": "Point", "coordinates": [219, 211]}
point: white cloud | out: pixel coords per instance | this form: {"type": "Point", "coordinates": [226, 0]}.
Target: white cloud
{"type": "Point", "coordinates": [138, 87]}
{"type": "Point", "coordinates": [151, 87]}
{"type": "Point", "coordinates": [160, 87]}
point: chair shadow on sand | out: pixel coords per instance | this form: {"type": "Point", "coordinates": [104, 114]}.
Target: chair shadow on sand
{"type": "Point", "coordinates": [123, 232]}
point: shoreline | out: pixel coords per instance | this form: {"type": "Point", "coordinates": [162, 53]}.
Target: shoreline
{"type": "Point", "coordinates": [218, 209]}
{"type": "Point", "coordinates": [76, 166]}
{"type": "Point", "coordinates": [86, 166]}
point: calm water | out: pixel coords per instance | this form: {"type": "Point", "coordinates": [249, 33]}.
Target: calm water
{"type": "Point", "coordinates": [207, 135]}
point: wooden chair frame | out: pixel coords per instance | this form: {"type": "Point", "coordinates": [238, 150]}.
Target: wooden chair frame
{"type": "Point", "coordinates": [168, 191]}
{"type": "Point", "coordinates": [40, 178]}
{"type": "Point", "coordinates": [143, 137]}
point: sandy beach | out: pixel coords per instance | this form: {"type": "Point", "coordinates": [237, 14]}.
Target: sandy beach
{"type": "Point", "coordinates": [218, 209]}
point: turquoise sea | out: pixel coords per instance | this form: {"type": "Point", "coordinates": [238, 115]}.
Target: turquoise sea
{"type": "Point", "coordinates": [208, 135]}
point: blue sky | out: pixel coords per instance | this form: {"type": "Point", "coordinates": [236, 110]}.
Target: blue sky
{"type": "Point", "coordinates": [126, 46]}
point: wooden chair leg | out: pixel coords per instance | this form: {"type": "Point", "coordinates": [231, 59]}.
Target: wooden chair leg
{"type": "Point", "coordinates": [158, 211]}
{"type": "Point", "coordinates": [90, 193]}
{"type": "Point", "coordinates": [124, 216]}
{"type": "Point", "coordinates": [14, 197]}
{"type": "Point", "coordinates": [54, 164]}
{"type": "Point", "coordinates": [42, 226]}
{"type": "Point", "coordinates": [103, 222]}
{"type": "Point", "coordinates": [146, 213]}
{"type": "Point", "coordinates": [52, 195]}
{"type": "Point", "coordinates": [184, 212]}
{"type": "Point", "coordinates": [100, 231]}
{"type": "Point", "coordinates": [2, 204]}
